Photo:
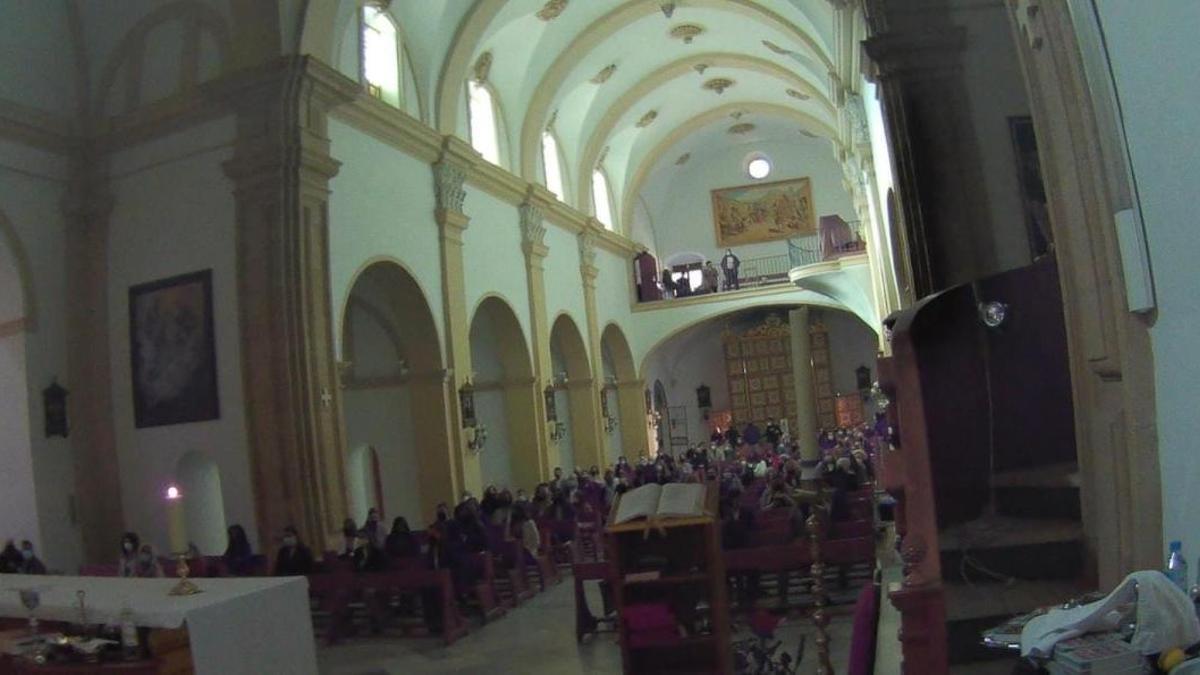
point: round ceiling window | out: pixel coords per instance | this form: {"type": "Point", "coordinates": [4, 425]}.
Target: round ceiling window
{"type": "Point", "coordinates": [758, 166]}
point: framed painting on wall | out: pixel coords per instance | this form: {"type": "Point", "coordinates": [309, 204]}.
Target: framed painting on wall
{"type": "Point", "coordinates": [172, 351]}
{"type": "Point", "coordinates": [749, 214]}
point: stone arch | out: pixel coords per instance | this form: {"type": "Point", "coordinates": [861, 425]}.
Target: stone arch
{"type": "Point", "coordinates": [636, 178]}
{"type": "Point", "coordinates": [199, 479]}
{"type": "Point", "coordinates": [505, 396]}
{"type": "Point", "coordinates": [575, 398]}
{"type": "Point", "coordinates": [395, 395]}
{"type": "Point", "coordinates": [18, 278]}
{"type": "Point", "coordinates": [18, 499]}
{"type": "Point", "coordinates": [632, 433]}
{"type": "Point", "coordinates": [204, 19]}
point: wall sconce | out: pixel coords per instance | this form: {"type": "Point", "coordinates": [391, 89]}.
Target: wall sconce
{"type": "Point", "coordinates": [610, 422]}
{"type": "Point", "coordinates": [477, 438]}
{"type": "Point", "coordinates": [466, 403]}
{"type": "Point", "coordinates": [560, 379]}
{"type": "Point", "coordinates": [558, 430]}
{"type": "Point", "coordinates": [551, 404]}
{"type": "Point", "coordinates": [993, 313]}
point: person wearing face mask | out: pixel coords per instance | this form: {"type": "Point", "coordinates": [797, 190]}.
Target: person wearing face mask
{"type": "Point", "coordinates": [373, 529]}
{"type": "Point", "coordinates": [10, 558]}
{"type": "Point", "coordinates": [503, 509]}
{"type": "Point", "coordinates": [146, 565]}
{"type": "Point", "coordinates": [294, 558]}
{"type": "Point", "coordinates": [401, 543]}
{"type": "Point", "coordinates": [30, 564]}
{"type": "Point", "coordinates": [127, 565]}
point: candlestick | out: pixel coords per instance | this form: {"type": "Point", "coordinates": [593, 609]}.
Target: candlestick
{"type": "Point", "coordinates": [176, 522]}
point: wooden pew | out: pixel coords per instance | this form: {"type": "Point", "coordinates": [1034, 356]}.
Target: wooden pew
{"type": "Point", "coordinates": [414, 582]}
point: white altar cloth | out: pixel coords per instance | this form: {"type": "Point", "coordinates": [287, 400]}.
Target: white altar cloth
{"type": "Point", "coordinates": [243, 626]}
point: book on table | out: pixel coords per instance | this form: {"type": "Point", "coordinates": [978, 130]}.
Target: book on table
{"type": "Point", "coordinates": [653, 501]}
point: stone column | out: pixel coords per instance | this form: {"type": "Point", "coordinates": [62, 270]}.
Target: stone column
{"type": "Point", "coordinates": [449, 176]}
{"type": "Point", "coordinates": [89, 371]}
{"type": "Point", "coordinates": [434, 402]}
{"type": "Point", "coordinates": [591, 439]}
{"type": "Point", "coordinates": [533, 234]}
{"type": "Point", "coordinates": [631, 406]}
{"type": "Point", "coordinates": [939, 176]}
{"type": "Point", "coordinates": [280, 171]}
{"type": "Point", "coordinates": [802, 379]}
{"type": "Point", "coordinates": [527, 435]}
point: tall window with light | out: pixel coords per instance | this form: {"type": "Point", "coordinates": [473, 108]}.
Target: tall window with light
{"type": "Point", "coordinates": [381, 55]}
{"type": "Point", "coordinates": [602, 199]}
{"type": "Point", "coordinates": [552, 165]}
{"type": "Point", "coordinates": [485, 132]}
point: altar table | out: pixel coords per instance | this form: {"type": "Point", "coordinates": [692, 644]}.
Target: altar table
{"type": "Point", "coordinates": [237, 626]}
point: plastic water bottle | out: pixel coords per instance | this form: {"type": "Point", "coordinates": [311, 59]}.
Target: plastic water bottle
{"type": "Point", "coordinates": [1177, 570]}
{"type": "Point", "coordinates": [129, 635]}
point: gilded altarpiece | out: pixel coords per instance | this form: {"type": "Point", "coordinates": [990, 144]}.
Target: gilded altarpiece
{"type": "Point", "coordinates": [758, 365]}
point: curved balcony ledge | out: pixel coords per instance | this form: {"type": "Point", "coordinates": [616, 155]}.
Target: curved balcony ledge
{"type": "Point", "coordinates": [845, 280]}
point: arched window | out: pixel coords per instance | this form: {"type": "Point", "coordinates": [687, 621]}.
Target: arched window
{"type": "Point", "coordinates": [602, 199]}
{"type": "Point", "coordinates": [552, 165]}
{"type": "Point", "coordinates": [485, 132]}
{"type": "Point", "coordinates": [381, 55]}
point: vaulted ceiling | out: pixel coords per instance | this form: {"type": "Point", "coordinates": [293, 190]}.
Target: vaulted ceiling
{"type": "Point", "coordinates": [619, 82]}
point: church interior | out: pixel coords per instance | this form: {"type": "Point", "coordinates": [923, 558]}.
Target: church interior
{"type": "Point", "coordinates": [590, 336]}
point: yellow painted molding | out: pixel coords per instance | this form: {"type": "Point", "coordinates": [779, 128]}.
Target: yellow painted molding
{"type": "Point", "coordinates": [392, 126]}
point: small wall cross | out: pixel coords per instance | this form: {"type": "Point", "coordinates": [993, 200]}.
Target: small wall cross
{"type": "Point", "coordinates": [326, 397]}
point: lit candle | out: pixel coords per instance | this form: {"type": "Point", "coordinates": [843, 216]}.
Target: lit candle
{"type": "Point", "coordinates": [176, 524]}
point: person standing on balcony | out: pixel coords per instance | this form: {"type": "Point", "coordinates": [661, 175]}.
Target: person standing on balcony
{"type": "Point", "coordinates": [668, 284]}
{"type": "Point", "coordinates": [729, 265]}
{"type": "Point", "coordinates": [712, 279]}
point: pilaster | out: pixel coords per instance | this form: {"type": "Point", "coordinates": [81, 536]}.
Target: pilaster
{"type": "Point", "coordinates": [89, 369]}
{"type": "Point", "coordinates": [533, 234]}
{"type": "Point", "coordinates": [449, 177]}
{"type": "Point", "coordinates": [590, 448]}
{"type": "Point", "coordinates": [631, 408]}
{"type": "Point", "coordinates": [802, 380]}
{"type": "Point", "coordinates": [280, 171]}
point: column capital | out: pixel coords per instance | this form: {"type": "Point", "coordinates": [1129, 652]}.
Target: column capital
{"type": "Point", "coordinates": [587, 258]}
{"type": "Point", "coordinates": [533, 230]}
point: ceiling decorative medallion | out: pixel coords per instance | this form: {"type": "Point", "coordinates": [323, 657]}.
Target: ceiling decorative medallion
{"type": "Point", "coordinates": [605, 73]}
{"type": "Point", "coordinates": [737, 114]}
{"type": "Point", "coordinates": [551, 10]}
{"type": "Point", "coordinates": [798, 94]}
{"type": "Point", "coordinates": [686, 32]}
{"type": "Point", "coordinates": [743, 128]}
{"type": "Point", "coordinates": [719, 84]}
{"type": "Point", "coordinates": [776, 48]}
{"type": "Point", "coordinates": [683, 159]}
{"type": "Point", "coordinates": [701, 67]}
{"type": "Point", "coordinates": [808, 133]}
{"type": "Point", "coordinates": [483, 66]}
{"type": "Point", "coordinates": [668, 8]}
{"type": "Point", "coordinates": [647, 119]}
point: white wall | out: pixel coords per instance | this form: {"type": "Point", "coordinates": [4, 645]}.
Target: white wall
{"type": "Point", "coordinates": [36, 32]}
{"type": "Point", "coordinates": [1154, 59]}
{"type": "Point", "coordinates": [492, 256]}
{"type": "Point", "coordinates": [491, 406]}
{"type": "Point", "coordinates": [996, 91]}
{"type": "Point", "coordinates": [381, 206]}
{"type": "Point", "coordinates": [174, 213]}
{"type": "Point", "coordinates": [32, 186]}
{"type": "Point", "coordinates": [851, 344]}
{"type": "Point", "coordinates": [680, 203]}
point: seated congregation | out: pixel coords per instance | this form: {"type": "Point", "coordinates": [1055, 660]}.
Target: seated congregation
{"type": "Point", "coordinates": [483, 557]}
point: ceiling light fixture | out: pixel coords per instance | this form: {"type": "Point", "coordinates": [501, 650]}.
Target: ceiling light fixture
{"type": "Point", "coordinates": [668, 8]}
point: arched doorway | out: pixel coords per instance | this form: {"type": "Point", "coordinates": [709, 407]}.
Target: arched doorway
{"type": "Point", "coordinates": [199, 480]}
{"type": "Point", "coordinates": [393, 377]}
{"type": "Point", "coordinates": [662, 417]}
{"type": "Point", "coordinates": [365, 482]}
{"type": "Point", "coordinates": [505, 392]}
{"type": "Point", "coordinates": [574, 396]}
{"type": "Point", "coordinates": [18, 500]}
{"type": "Point", "coordinates": [629, 435]}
